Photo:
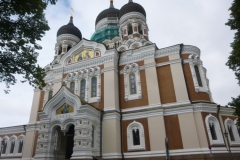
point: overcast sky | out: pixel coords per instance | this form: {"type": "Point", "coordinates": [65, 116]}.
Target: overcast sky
{"type": "Point", "coordinates": [193, 22]}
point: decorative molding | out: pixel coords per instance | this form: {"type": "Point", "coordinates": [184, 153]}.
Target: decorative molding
{"type": "Point", "coordinates": [167, 51]}
{"type": "Point", "coordinates": [188, 49]}
{"type": "Point", "coordinates": [132, 15]}
{"type": "Point", "coordinates": [68, 37]}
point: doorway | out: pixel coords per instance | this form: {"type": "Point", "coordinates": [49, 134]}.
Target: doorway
{"type": "Point", "coordinates": [63, 143]}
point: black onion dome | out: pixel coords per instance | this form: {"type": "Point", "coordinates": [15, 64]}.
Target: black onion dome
{"type": "Point", "coordinates": [70, 29]}
{"type": "Point", "coordinates": [131, 7]}
{"type": "Point", "coordinates": [110, 12]}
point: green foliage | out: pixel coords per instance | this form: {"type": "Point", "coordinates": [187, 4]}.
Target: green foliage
{"type": "Point", "coordinates": [22, 23]}
{"type": "Point", "coordinates": [234, 23]}
{"type": "Point", "coordinates": [236, 105]}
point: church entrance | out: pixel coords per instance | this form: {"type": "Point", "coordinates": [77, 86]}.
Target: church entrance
{"type": "Point", "coordinates": [63, 143]}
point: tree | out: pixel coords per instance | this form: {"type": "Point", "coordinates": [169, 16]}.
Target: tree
{"type": "Point", "coordinates": [236, 105]}
{"type": "Point", "coordinates": [234, 23]}
{"type": "Point", "coordinates": [234, 58]}
{"type": "Point", "coordinates": [22, 23]}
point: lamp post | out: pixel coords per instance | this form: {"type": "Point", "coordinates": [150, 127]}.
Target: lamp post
{"type": "Point", "coordinates": [226, 135]}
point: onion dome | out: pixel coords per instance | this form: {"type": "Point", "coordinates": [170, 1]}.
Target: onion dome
{"type": "Point", "coordinates": [70, 29]}
{"type": "Point", "coordinates": [110, 12]}
{"type": "Point", "coordinates": [131, 7]}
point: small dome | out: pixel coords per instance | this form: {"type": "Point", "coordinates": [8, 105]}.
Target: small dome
{"type": "Point", "coordinates": [70, 29]}
{"type": "Point", "coordinates": [110, 12]}
{"type": "Point", "coordinates": [131, 7]}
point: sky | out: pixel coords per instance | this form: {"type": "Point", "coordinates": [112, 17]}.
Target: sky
{"type": "Point", "coordinates": [191, 22]}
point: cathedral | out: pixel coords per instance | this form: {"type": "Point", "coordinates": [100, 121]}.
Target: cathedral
{"type": "Point", "coordinates": [118, 96]}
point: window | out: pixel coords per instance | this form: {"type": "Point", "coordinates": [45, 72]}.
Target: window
{"type": "Point", "coordinates": [233, 134]}
{"type": "Point", "coordinates": [132, 84]}
{"type": "Point", "coordinates": [214, 130]}
{"type": "Point", "coordinates": [4, 147]}
{"type": "Point", "coordinates": [230, 131]}
{"type": "Point", "coordinates": [59, 50]}
{"type": "Point", "coordinates": [198, 76]}
{"type": "Point", "coordinates": [82, 88]}
{"type": "Point", "coordinates": [92, 137]}
{"type": "Point", "coordinates": [72, 86]}
{"type": "Point", "coordinates": [12, 147]}
{"type": "Point", "coordinates": [94, 87]}
{"type": "Point", "coordinates": [136, 137]}
{"type": "Point", "coordinates": [50, 94]}
{"type": "Point", "coordinates": [68, 48]}
{"type": "Point", "coordinates": [140, 29]}
{"type": "Point", "coordinates": [20, 147]}
{"type": "Point", "coordinates": [130, 29]}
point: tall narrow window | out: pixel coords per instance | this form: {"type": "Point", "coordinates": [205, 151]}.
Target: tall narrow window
{"type": "Point", "coordinates": [238, 128]}
{"type": "Point", "coordinates": [4, 147]}
{"type": "Point", "coordinates": [94, 87]}
{"type": "Point", "coordinates": [212, 130]}
{"type": "Point", "coordinates": [136, 137]}
{"type": "Point", "coordinates": [72, 86]}
{"type": "Point", "coordinates": [140, 28]}
{"type": "Point", "coordinates": [82, 89]}
{"type": "Point", "coordinates": [20, 146]}
{"type": "Point", "coordinates": [50, 94]}
{"type": "Point", "coordinates": [130, 29]}
{"type": "Point", "coordinates": [92, 137]}
{"type": "Point", "coordinates": [230, 131]}
{"type": "Point", "coordinates": [132, 82]}
{"type": "Point", "coordinates": [68, 48]}
{"type": "Point", "coordinates": [12, 146]}
{"type": "Point", "coordinates": [198, 76]}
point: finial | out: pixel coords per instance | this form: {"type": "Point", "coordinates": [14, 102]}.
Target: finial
{"type": "Point", "coordinates": [111, 4]}
{"type": "Point", "coordinates": [72, 10]}
{"type": "Point", "coordinates": [130, 1]}
{"type": "Point", "coordinates": [71, 20]}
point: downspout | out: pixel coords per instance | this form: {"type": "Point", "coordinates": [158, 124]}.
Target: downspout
{"type": "Point", "coordinates": [101, 133]}
{"type": "Point", "coordinates": [218, 110]}
{"type": "Point", "coordinates": [119, 103]}
{"type": "Point", "coordinates": [184, 74]}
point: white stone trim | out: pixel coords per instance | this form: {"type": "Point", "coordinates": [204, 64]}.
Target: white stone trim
{"type": "Point", "coordinates": [132, 15]}
{"type": "Point", "coordinates": [132, 126]}
{"type": "Point", "coordinates": [86, 74]}
{"type": "Point", "coordinates": [132, 69]}
{"type": "Point", "coordinates": [211, 119]}
{"type": "Point", "coordinates": [229, 122]}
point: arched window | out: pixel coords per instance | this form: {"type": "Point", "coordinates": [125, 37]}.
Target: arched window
{"type": "Point", "coordinates": [20, 147]}
{"type": "Point", "coordinates": [68, 48]}
{"type": "Point", "coordinates": [233, 134]}
{"type": "Point", "coordinates": [92, 137]}
{"type": "Point", "coordinates": [12, 147]}
{"type": "Point", "coordinates": [230, 131]}
{"type": "Point", "coordinates": [140, 28]}
{"type": "Point", "coordinates": [198, 76]}
{"type": "Point", "coordinates": [4, 145]}
{"type": "Point", "coordinates": [82, 88]}
{"type": "Point", "coordinates": [59, 50]}
{"type": "Point", "coordinates": [136, 137]}
{"type": "Point", "coordinates": [130, 29]}
{"type": "Point", "coordinates": [213, 130]}
{"type": "Point", "coordinates": [72, 86]}
{"type": "Point", "coordinates": [132, 84]}
{"type": "Point", "coordinates": [94, 87]}
{"type": "Point", "coordinates": [50, 94]}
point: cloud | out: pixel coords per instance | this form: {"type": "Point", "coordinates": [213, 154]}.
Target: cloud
{"type": "Point", "coordinates": [198, 23]}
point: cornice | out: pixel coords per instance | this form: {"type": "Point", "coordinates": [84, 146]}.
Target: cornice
{"type": "Point", "coordinates": [12, 130]}
{"type": "Point", "coordinates": [131, 15]}
{"type": "Point", "coordinates": [167, 51]}
{"type": "Point", "coordinates": [188, 49]}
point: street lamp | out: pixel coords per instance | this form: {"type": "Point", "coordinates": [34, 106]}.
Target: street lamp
{"type": "Point", "coordinates": [226, 135]}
